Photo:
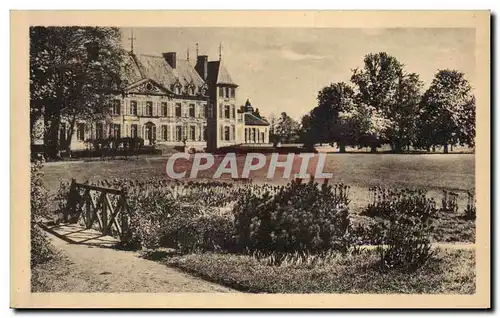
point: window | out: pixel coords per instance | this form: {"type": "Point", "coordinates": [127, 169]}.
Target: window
{"type": "Point", "coordinates": [99, 131]}
{"type": "Point", "coordinates": [205, 137]}
{"type": "Point", "coordinates": [192, 132]}
{"type": "Point", "coordinates": [227, 111]}
{"type": "Point", "coordinates": [178, 110]}
{"type": "Point", "coordinates": [227, 92]}
{"type": "Point", "coordinates": [133, 107]}
{"type": "Point", "coordinates": [191, 90]}
{"type": "Point", "coordinates": [233, 92]}
{"type": "Point", "coordinates": [191, 110]}
{"type": "Point", "coordinates": [164, 109]}
{"type": "Point", "coordinates": [178, 133]}
{"type": "Point", "coordinates": [116, 129]}
{"type": "Point", "coordinates": [226, 133]}
{"type": "Point", "coordinates": [234, 111]}
{"type": "Point", "coordinates": [149, 109]}
{"type": "Point", "coordinates": [233, 132]}
{"type": "Point", "coordinates": [164, 132]}
{"type": "Point", "coordinates": [221, 91]}
{"type": "Point", "coordinates": [133, 131]}
{"type": "Point", "coordinates": [80, 131]}
{"type": "Point", "coordinates": [116, 107]}
{"type": "Point", "coordinates": [177, 89]}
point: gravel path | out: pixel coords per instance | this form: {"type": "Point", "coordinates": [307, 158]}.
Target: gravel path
{"type": "Point", "coordinates": [123, 271]}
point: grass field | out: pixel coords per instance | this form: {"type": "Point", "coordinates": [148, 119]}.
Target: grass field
{"type": "Point", "coordinates": [451, 272]}
{"type": "Point", "coordinates": [435, 172]}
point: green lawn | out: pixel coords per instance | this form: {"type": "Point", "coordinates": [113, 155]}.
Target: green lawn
{"type": "Point", "coordinates": [451, 272]}
{"type": "Point", "coordinates": [435, 172]}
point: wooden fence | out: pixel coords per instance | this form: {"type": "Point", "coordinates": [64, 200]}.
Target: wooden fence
{"type": "Point", "coordinates": [103, 209]}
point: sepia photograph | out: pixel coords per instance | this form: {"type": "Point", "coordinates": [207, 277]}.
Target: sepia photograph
{"type": "Point", "coordinates": [253, 159]}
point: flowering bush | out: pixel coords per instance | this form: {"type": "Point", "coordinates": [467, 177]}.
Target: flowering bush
{"type": "Point", "coordinates": [403, 233]}
{"type": "Point", "coordinates": [295, 217]}
{"type": "Point", "coordinates": [470, 210]}
{"type": "Point", "coordinates": [386, 202]}
{"type": "Point", "coordinates": [449, 202]}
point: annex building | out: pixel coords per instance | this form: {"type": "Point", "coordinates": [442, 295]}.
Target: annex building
{"type": "Point", "coordinates": [167, 100]}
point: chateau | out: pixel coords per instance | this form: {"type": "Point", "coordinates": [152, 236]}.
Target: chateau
{"type": "Point", "coordinates": [169, 101]}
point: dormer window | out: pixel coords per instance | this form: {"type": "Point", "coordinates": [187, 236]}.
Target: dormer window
{"type": "Point", "coordinates": [149, 86]}
{"type": "Point", "coordinates": [177, 88]}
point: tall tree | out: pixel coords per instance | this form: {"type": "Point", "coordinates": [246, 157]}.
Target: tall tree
{"type": "Point", "coordinates": [448, 111]}
{"type": "Point", "coordinates": [332, 101]}
{"type": "Point", "coordinates": [408, 103]}
{"type": "Point", "coordinates": [74, 71]}
{"type": "Point", "coordinates": [385, 89]}
{"type": "Point", "coordinates": [287, 129]}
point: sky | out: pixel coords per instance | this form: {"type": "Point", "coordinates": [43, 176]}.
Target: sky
{"type": "Point", "coordinates": [282, 69]}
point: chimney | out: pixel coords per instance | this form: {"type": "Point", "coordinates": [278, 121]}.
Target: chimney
{"type": "Point", "coordinates": [202, 66]}
{"type": "Point", "coordinates": [171, 59]}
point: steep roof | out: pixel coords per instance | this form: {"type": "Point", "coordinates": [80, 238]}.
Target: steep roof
{"type": "Point", "coordinates": [218, 74]}
{"type": "Point", "coordinates": [252, 120]}
{"type": "Point", "coordinates": [142, 66]}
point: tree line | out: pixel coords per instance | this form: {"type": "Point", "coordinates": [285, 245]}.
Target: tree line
{"type": "Point", "coordinates": [385, 104]}
{"type": "Point", "coordinates": [75, 70]}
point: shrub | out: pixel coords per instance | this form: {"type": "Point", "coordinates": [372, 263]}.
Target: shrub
{"type": "Point", "coordinates": [385, 202]}
{"type": "Point", "coordinates": [171, 215]}
{"type": "Point", "coordinates": [149, 213]}
{"type": "Point", "coordinates": [404, 234]}
{"type": "Point", "coordinates": [296, 217]}
{"type": "Point", "coordinates": [40, 247]}
{"type": "Point", "coordinates": [449, 202]}
{"type": "Point", "coordinates": [470, 210]}
{"type": "Point", "coordinates": [207, 231]}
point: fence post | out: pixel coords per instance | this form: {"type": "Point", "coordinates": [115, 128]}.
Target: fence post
{"type": "Point", "coordinates": [88, 210]}
{"type": "Point", "coordinates": [124, 218]}
{"type": "Point", "coordinates": [70, 203]}
{"type": "Point", "coordinates": [104, 212]}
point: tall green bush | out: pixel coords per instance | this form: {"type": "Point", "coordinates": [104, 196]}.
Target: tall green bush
{"type": "Point", "coordinates": [40, 246]}
{"type": "Point", "coordinates": [404, 230]}
{"type": "Point", "coordinates": [296, 217]}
